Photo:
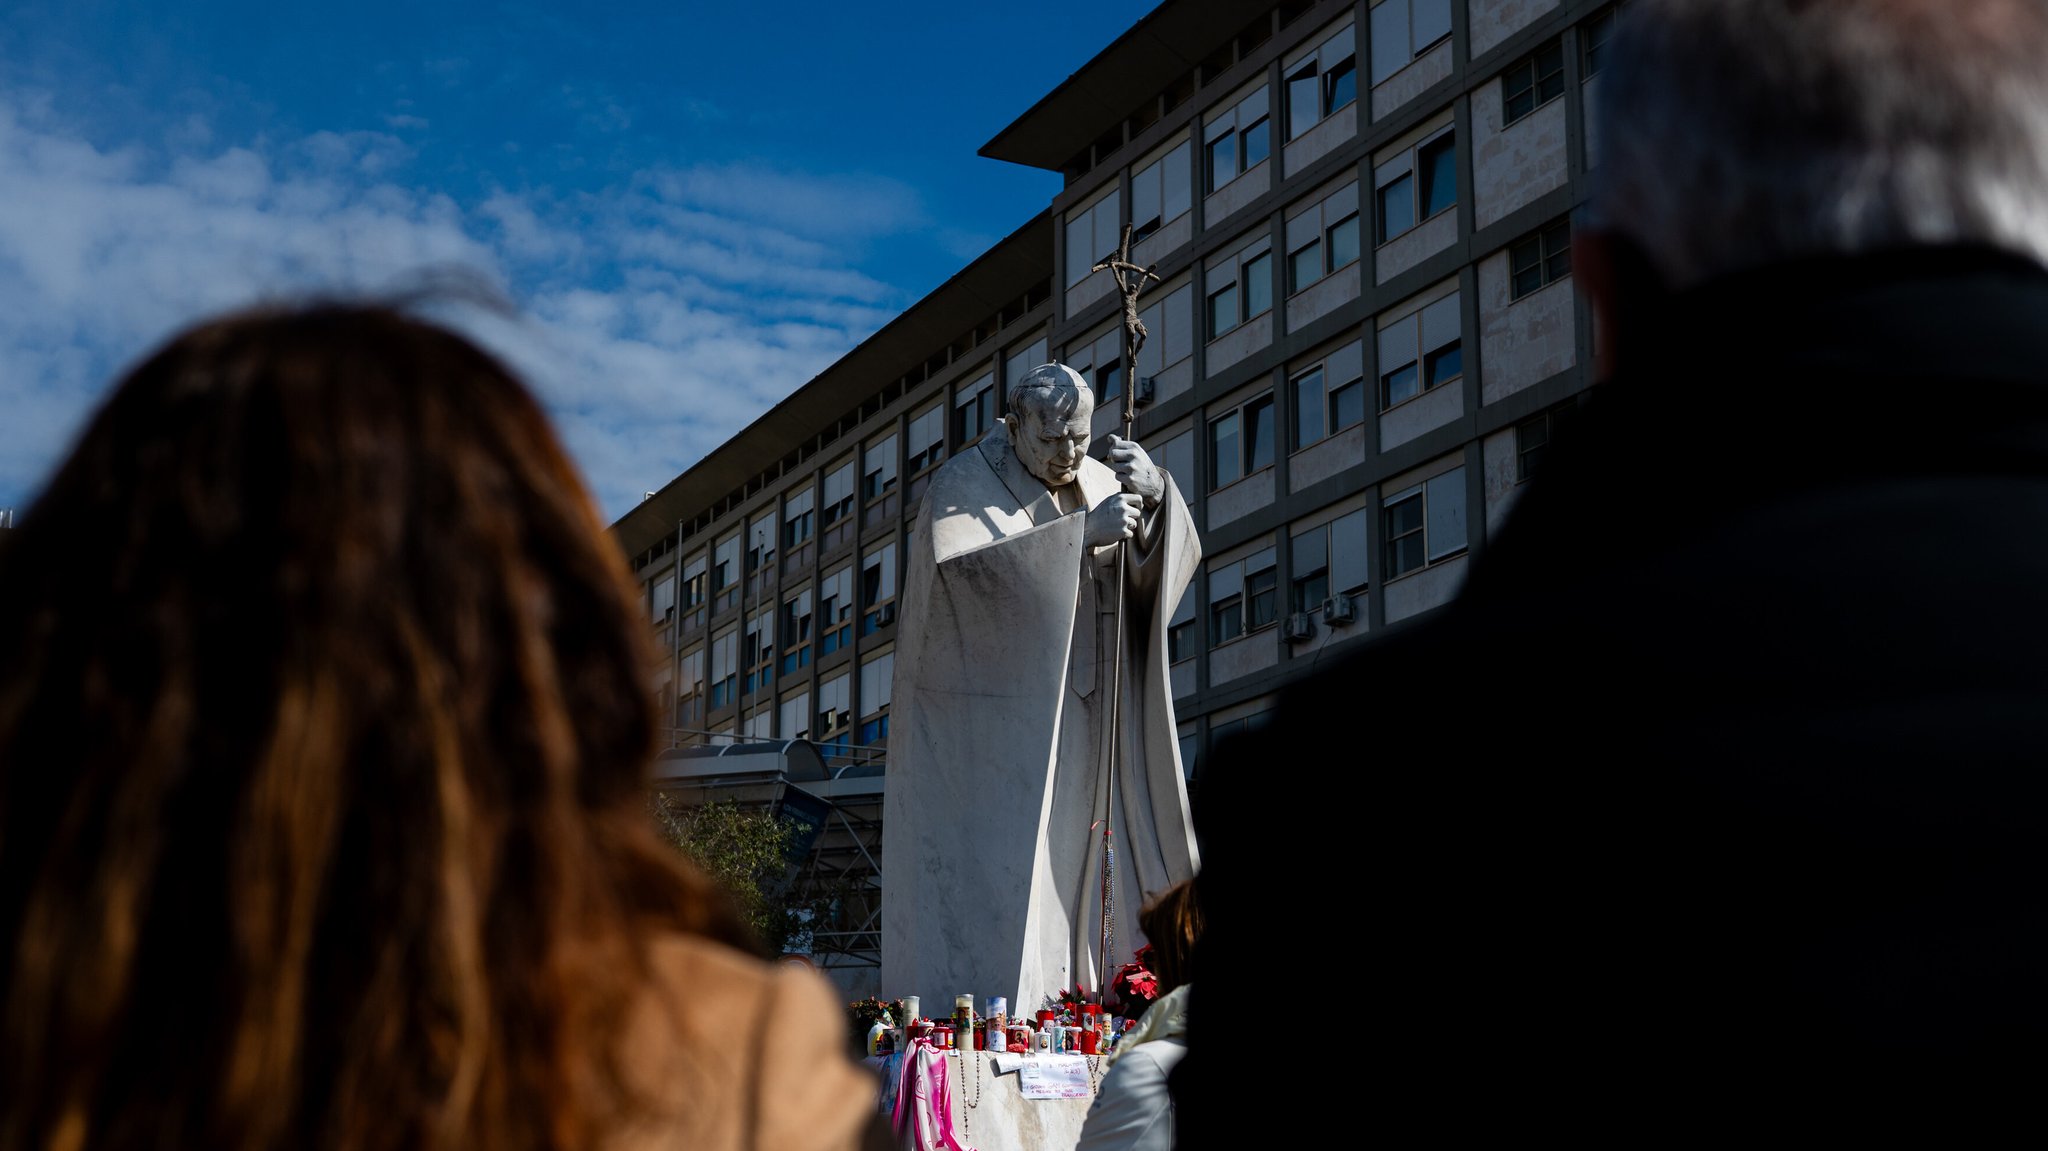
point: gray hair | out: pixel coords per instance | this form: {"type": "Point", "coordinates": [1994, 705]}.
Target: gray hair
{"type": "Point", "coordinates": [1052, 390]}
{"type": "Point", "coordinates": [1734, 133]}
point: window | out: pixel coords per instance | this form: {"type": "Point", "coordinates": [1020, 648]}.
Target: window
{"type": "Point", "coordinates": [725, 563]}
{"type": "Point", "coordinates": [1108, 380]}
{"type": "Point", "coordinates": [1322, 82]}
{"type": "Point", "coordinates": [1243, 597]}
{"type": "Point", "coordinates": [695, 586]}
{"type": "Point", "coordinates": [974, 409]}
{"type": "Point", "coordinates": [1322, 238]}
{"type": "Point", "coordinates": [662, 603]}
{"type": "Point", "coordinates": [875, 685]}
{"type": "Point", "coordinates": [835, 611]}
{"type": "Point", "coordinates": [796, 632]}
{"type": "Point", "coordinates": [1240, 287]}
{"type": "Point", "coordinates": [1180, 632]}
{"type": "Point", "coordinates": [879, 477]}
{"type": "Point", "coordinates": [796, 716]}
{"type": "Point", "coordinates": [1237, 141]}
{"type": "Point", "coordinates": [1327, 561]}
{"type": "Point", "coordinates": [1092, 232]}
{"type": "Point", "coordinates": [833, 731]}
{"type": "Point", "coordinates": [1416, 185]}
{"type": "Point", "coordinates": [761, 542]}
{"type": "Point", "coordinates": [1241, 442]}
{"type": "Point", "coordinates": [724, 660]}
{"type": "Point", "coordinates": [757, 651]}
{"type": "Point", "coordinates": [1540, 258]}
{"type": "Point", "coordinates": [878, 589]}
{"type": "Point", "coordinates": [839, 493]}
{"type": "Point", "coordinates": [1405, 29]}
{"type": "Point", "coordinates": [1329, 396]}
{"type": "Point", "coordinates": [1424, 524]}
{"type": "Point", "coordinates": [1534, 435]}
{"type": "Point", "coordinates": [1160, 192]}
{"type": "Point", "coordinates": [690, 690]}
{"type": "Point", "coordinates": [1532, 81]}
{"type": "Point", "coordinates": [927, 440]}
{"type": "Point", "coordinates": [1170, 331]}
{"type": "Point", "coordinates": [798, 520]}
{"type": "Point", "coordinates": [1099, 362]}
{"type": "Point", "coordinates": [1023, 360]}
{"type": "Point", "coordinates": [1420, 351]}
{"type": "Point", "coordinates": [1177, 457]}
{"type": "Point", "coordinates": [1594, 35]}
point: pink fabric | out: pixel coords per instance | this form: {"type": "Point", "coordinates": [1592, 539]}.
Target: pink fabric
{"type": "Point", "coordinates": [926, 1095]}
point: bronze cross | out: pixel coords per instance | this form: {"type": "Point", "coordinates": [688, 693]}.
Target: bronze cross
{"type": "Point", "coordinates": [1130, 280]}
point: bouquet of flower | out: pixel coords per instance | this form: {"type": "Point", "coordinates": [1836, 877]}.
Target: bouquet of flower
{"type": "Point", "coordinates": [1065, 1004]}
{"type": "Point", "coordinates": [867, 1012]}
{"type": "Point", "coordinates": [1134, 984]}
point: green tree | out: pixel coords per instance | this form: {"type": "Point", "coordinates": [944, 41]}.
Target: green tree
{"type": "Point", "coordinates": [746, 851]}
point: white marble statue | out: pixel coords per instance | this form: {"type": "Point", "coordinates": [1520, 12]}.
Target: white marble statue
{"type": "Point", "coordinates": [1005, 658]}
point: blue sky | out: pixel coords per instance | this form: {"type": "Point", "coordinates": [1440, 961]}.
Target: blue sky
{"type": "Point", "coordinates": [695, 207]}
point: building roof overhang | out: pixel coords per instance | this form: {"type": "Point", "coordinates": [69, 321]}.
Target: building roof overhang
{"type": "Point", "coordinates": [997, 277]}
{"type": "Point", "coordinates": [1159, 49]}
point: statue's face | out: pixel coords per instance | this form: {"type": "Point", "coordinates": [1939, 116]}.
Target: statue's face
{"type": "Point", "coordinates": [1052, 448]}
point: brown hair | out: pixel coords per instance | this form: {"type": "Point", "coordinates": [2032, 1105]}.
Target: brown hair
{"type": "Point", "coordinates": [1172, 923]}
{"type": "Point", "coordinates": [323, 749]}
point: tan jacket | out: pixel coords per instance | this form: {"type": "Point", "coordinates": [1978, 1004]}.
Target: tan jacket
{"type": "Point", "coordinates": [742, 1055]}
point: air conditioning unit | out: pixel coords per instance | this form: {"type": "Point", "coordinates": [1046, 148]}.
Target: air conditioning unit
{"type": "Point", "coordinates": [885, 615]}
{"type": "Point", "coordinates": [1338, 611]}
{"type": "Point", "coordinates": [1297, 627]}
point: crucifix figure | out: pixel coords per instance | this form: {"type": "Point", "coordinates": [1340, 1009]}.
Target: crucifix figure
{"type": "Point", "coordinates": [1130, 281]}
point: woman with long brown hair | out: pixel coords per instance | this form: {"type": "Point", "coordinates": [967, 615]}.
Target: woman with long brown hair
{"type": "Point", "coordinates": [324, 747]}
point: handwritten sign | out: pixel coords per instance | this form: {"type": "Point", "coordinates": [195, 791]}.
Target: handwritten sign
{"type": "Point", "coordinates": [1055, 1077]}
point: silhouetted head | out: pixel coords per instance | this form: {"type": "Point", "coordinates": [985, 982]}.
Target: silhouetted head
{"type": "Point", "coordinates": [1172, 923]}
{"type": "Point", "coordinates": [324, 733]}
{"type": "Point", "coordinates": [1734, 134]}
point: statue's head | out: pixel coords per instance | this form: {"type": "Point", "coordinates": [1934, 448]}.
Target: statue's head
{"type": "Point", "coordinates": [1051, 409]}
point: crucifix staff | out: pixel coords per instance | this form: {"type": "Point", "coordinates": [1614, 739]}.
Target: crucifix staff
{"type": "Point", "coordinates": [1130, 281]}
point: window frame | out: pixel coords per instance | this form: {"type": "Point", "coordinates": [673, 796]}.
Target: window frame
{"type": "Point", "coordinates": [1240, 132]}
{"type": "Point", "coordinates": [1552, 248]}
{"type": "Point", "coordinates": [886, 588]}
{"type": "Point", "coordinates": [1249, 600]}
{"type": "Point", "coordinates": [933, 451]}
{"type": "Point", "coordinates": [1319, 233]}
{"type": "Point", "coordinates": [1407, 167]}
{"type": "Point", "coordinates": [797, 626]}
{"type": "Point", "coordinates": [887, 464]}
{"type": "Point", "coordinates": [1419, 494]}
{"type": "Point", "coordinates": [1320, 67]}
{"type": "Point", "coordinates": [799, 518]}
{"type": "Point", "coordinates": [1246, 449]}
{"type": "Point", "coordinates": [1157, 172]}
{"type": "Point", "coordinates": [1247, 277]}
{"type": "Point", "coordinates": [979, 396]}
{"type": "Point", "coordinates": [837, 590]}
{"type": "Point", "coordinates": [1409, 32]}
{"type": "Point", "coordinates": [1532, 76]}
{"type": "Point", "coordinates": [832, 511]}
{"type": "Point", "coordinates": [1423, 348]}
{"type": "Point", "coordinates": [1347, 360]}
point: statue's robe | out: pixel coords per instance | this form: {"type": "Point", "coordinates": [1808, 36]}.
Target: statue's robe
{"type": "Point", "coordinates": [992, 841]}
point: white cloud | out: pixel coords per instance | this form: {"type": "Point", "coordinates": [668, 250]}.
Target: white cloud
{"type": "Point", "coordinates": [657, 317]}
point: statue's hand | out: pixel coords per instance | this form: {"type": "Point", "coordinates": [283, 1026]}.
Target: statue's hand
{"type": "Point", "coordinates": [1115, 519]}
{"type": "Point", "coordinates": [1135, 469]}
